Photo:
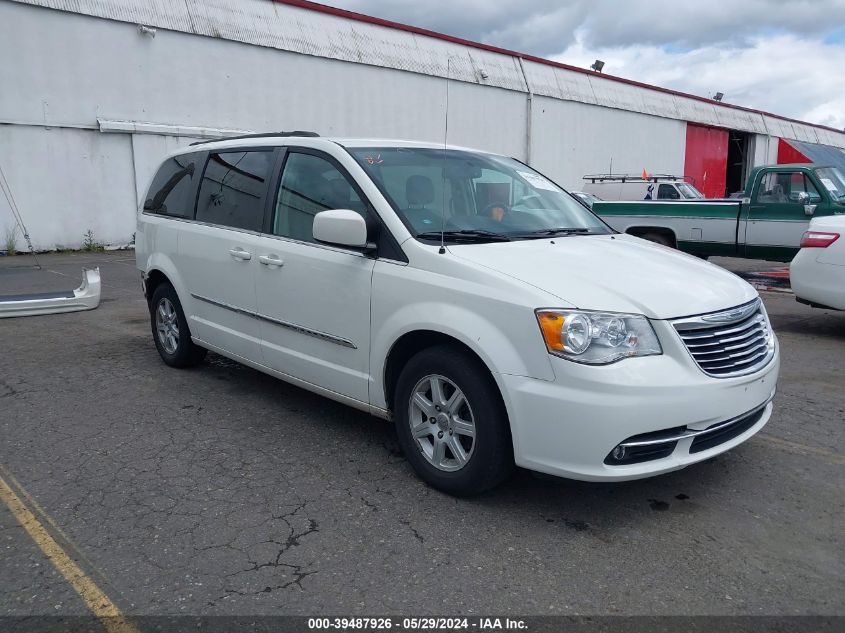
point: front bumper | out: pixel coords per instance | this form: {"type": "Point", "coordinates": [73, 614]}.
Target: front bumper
{"type": "Point", "coordinates": [569, 426]}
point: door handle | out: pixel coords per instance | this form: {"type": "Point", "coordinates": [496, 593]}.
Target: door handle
{"type": "Point", "coordinates": [271, 260]}
{"type": "Point", "coordinates": [239, 253]}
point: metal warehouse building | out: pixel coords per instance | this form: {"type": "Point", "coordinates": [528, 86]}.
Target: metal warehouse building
{"type": "Point", "coordinates": [94, 92]}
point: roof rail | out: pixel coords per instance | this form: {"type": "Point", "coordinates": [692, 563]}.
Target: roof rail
{"type": "Point", "coordinates": [634, 177]}
{"type": "Point", "coordinates": [302, 133]}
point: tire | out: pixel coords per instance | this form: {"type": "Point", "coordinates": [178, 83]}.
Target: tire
{"type": "Point", "coordinates": [170, 329]}
{"type": "Point", "coordinates": [487, 450]}
{"type": "Point", "coordinates": [658, 238]}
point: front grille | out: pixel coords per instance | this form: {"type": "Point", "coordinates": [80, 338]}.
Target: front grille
{"type": "Point", "coordinates": [729, 343]}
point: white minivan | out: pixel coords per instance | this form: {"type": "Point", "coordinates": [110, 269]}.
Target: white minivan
{"type": "Point", "coordinates": [459, 293]}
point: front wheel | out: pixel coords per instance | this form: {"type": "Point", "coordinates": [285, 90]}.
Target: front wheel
{"type": "Point", "coordinates": [170, 329]}
{"type": "Point", "coordinates": [451, 422]}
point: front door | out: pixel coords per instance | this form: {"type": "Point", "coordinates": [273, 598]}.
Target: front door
{"type": "Point", "coordinates": [313, 299]}
{"type": "Point", "coordinates": [776, 218]}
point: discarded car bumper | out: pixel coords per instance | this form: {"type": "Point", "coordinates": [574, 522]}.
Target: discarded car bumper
{"type": "Point", "coordinates": [86, 297]}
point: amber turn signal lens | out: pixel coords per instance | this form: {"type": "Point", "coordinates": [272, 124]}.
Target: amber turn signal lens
{"type": "Point", "coordinates": [551, 325]}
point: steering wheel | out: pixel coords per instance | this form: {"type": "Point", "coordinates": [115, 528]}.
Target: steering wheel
{"type": "Point", "coordinates": [488, 211]}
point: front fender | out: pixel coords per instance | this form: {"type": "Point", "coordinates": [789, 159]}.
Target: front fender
{"type": "Point", "coordinates": [519, 351]}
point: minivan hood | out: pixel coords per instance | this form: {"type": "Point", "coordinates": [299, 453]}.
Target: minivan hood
{"type": "Point", "coordinates": [618, 273]}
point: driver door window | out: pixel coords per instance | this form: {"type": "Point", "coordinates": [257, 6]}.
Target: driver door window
{"type": "Point", "coordinates": [784, 187]}
{"type": "Point", "coordinates": [310, 184]}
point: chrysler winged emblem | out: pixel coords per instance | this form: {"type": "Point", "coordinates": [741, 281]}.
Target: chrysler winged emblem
{"type": "Point", "coordinates": [734, 314]}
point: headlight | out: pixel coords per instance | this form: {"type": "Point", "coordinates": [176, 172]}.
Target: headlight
{"type": "Point", "coordinates": [597, 338]}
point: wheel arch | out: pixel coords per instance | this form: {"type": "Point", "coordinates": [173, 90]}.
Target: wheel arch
{"type": "Point", "coordinates": [152, 280]}
{"type": "Point", "coordinates": [642, 230]}
{"type": "Point", "coordinates": [411, 343]}
{"type": "Point", "coordinates": [160, 269]}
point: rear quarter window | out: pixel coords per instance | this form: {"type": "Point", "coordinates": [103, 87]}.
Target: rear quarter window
{"type": "Point", "coordinates": [172, 189]}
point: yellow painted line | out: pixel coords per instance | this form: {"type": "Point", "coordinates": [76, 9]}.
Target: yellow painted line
{"type": "Point", "coordinates": [830, 456]}
{"type": "Point", "coordinates": [97, 602]}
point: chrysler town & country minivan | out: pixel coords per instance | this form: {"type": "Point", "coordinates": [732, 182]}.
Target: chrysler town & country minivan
{"type": "Point", "coordinates": [460, 293]}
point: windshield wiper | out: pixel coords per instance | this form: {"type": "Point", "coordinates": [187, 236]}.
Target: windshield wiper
{"type": "Point", "coordinates": [469, 235]}
{"type": "Point", "coordinates": [557, 231]}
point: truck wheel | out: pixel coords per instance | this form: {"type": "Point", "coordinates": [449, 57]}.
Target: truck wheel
{"type": "Point", "coordinates": [658, 238]}
{"type": "Point", "coordinates": [170, 329]}
{"type": "Point", "coordinates": [451, 423]}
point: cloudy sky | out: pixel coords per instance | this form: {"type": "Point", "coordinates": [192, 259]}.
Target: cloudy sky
{"type": "Point", "coordinates": [783, 56]}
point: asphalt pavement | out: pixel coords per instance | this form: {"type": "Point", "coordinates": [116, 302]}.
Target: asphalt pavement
{"type": "Point", "coordinates": [219, 490]}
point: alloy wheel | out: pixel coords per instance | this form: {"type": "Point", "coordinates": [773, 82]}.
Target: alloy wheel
{"type": "Point", "coordinates": [442, 423]}
{"type": "Point", "coordinates": [167, 325]}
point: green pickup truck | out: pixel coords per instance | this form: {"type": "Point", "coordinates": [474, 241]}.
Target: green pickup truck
{"type": "Point", "coordinates": [766, 221]}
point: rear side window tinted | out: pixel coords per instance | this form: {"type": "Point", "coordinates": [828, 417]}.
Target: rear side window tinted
{"type": "Point", "coordinates": [233, 187]}
{"type": "Point", "coordinates": [171, 192]}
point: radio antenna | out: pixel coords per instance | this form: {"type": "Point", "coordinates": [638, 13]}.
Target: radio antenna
{"type": "Point", "coordinates": [445, 141]}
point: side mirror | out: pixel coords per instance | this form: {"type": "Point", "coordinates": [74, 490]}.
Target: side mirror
{"type": "Point", "coordinates": [341, 227]}
{"type": "Point", "coordinates": [805, 199]}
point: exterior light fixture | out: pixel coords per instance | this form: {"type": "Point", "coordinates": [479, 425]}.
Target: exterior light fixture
{"type": "Point", "coordinates": [597, 65]}
{"type": "Point", "coordinates": [147, 30]}
{"type": "Point", "coordinates": [719, 96]}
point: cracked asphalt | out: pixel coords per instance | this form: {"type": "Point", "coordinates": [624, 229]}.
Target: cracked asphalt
{"type": "Point", "coordinates": [221, 491]}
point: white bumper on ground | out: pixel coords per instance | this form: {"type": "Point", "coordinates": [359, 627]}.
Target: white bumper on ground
{"type": "Point", "coordinates": [568, 426]}
{"type": "Point", "coordinates": [86, 297]}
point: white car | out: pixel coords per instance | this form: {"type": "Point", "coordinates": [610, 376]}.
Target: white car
{"type": "Point", "coordinates": [459, 293]}
{"type": "Point", "coordinates": [817, 274]}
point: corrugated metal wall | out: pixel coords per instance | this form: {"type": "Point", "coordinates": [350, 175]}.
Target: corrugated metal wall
{"type": "Point", "coordinates": [260, 65]}
{"type": "Point", "coordinates": [572, 139]}
{"type": "Point", "coordinates": [276, 25]}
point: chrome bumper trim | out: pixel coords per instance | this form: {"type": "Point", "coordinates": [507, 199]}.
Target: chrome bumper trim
{"type": "Point", "coordinates": [693, 433]}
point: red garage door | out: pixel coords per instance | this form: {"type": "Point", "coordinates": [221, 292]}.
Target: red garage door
{"type": "Point", "coordinates": [707, 159]}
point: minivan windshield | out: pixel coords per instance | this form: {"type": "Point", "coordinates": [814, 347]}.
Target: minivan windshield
{"type": "Point", "coordinates": [473, 196]}
{"type": "Point", "coordinates": [833, 181]}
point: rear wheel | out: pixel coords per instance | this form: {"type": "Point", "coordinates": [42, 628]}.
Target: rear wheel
{"type": "Point", "coordinates": [170, 329]}
{"type": "Point", "coordinates": [451, 423]}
